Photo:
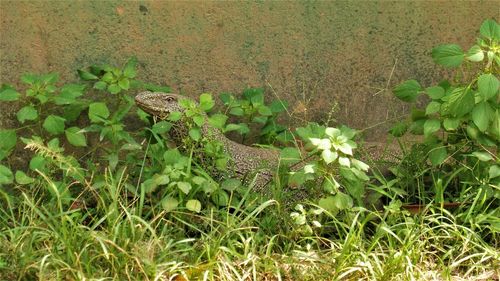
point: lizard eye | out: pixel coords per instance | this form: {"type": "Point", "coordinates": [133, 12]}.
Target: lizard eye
{"type": "Point", "coordinates": [170, 99]}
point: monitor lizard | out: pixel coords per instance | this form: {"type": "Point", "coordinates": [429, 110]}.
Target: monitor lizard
{"type": "Point", "coordinates": [246, 162]}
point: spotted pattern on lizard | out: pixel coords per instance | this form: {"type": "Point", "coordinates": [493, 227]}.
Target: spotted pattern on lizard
{"type": "Point", "coordinates": [245, 161]}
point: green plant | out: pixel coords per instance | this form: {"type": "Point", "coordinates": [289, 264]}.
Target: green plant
{"type": "Point", "coordinates": [55, 119]}
{"type": "Point", "coordinates": [330, 163]}
{"type": "Point", "coordinates": [253, 110]}
{"type": "Point", "coordinates": [460, 125]}
{"type": "Point", "coordinates": [41, 119]}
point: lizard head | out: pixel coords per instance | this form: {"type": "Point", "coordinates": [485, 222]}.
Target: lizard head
{"type": "Point", "coordinates": [159, 104]}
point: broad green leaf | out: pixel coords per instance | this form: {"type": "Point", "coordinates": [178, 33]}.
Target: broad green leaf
{"type": "Point", "coordinates": [53, 144]}
{"type": "Point", "coordinates": [237, 111]}
{"type": "Point", "coordinates": [472, 131]}
{"type": "Point", "coordinates": [241, 128]}
{"type": "Point", "coordinates": [195, 134]}
{"type": "Point", "coordinates": [432, 107]}
{"type": "Point", "coordinates": [487, 85]}
{"type": "Point", "coordinates": [193, 205]}
{"type": "Point", "coordinates": [174, 116]}
{"type": "Point", "coordinates": [482, 114]}
{"type": "Point", "coordinates": [169, 203]}
{"type": "Point", "coordinates": [149, 186]}
{"type": "Point", "coordinates": [309, 169]}
{"type": "Point", "coordinates": [98, 112]}
{"type": "Point", "coordinates": [254, 95]}
{"type": "Point", "coordinates": [482, 156]}
{"type": "Point", "coordinates": [37, 163]}
{"type": "Point", "coordinates": [124, 83]}
{"type": "Point", "coordinates": [22, 178]}
{"type": "Point", "coordinates": [451, 124]}
{"type": "Point", "coordinates": [69, 93]}
{"type": "Point", "coordinates": [75, 136]}
{"type": "Point", "coordinates": [494, 129]}
{"type": "Point", "coordinates": [217, 120]}
{"type": "Point", "coordinates": [171, 156]}
{"type": "Point", "coordinates": [114, 88]}
{"type": "Point", "coordinates": [185, 187]}
{"type": "Point", "coordinates": [54, 124]}
{"type": "Point", "coordinates": [50, 78]}
{"type": "Point", "coordinates": [8, 93]}
{"type": "Point", "coordinates": [460, 102]}
{"type": "Point", "coordinates": [486, 140]}
{"type": "Point", "coordinates": [475, 54]}
{"type": "Point", "coordinates": [220, 198]}
{"type": "Point", "coordinates": [29, 78]}
{"type": "Point", "coordinates": [198, 180]}
{"type": "Point", "coordinates": [42, 97]}
{"type": "Point", "coordinates": [494, 171]}
{"type": "Point", "coordinates": [330, 185]}
{"type": "Point", "coordinates": [161, 127]}
{"type": "Point", "coordinates": [6, 176]}
{"type": "Point", "coordinates": [231, 184]}
{"type": "Point", "coordinates": [297, 179]}
{"type": "Point", "coordinates": [333, 132]}
{"type": "Point", "coordinates": [129, 68]}
{"type": "Point", "coordinates": [438, 155]}
{"type": "Point", "coordinates": [321, 144]}
{"type": "Point", "coordinates": [107, 77]}
{"type": "Point", "coordinates": [226, 98]}
{"type": "Point", "coordinates": [407, 91]}
{"type": "Point", "coordinates": [344, 148]}
{"type": "Point", "coordinates": [27, 113]}
{"type": "Point", "coordinates": [100, 85]}
{"type": "Point", "coordinates": [259, 119]}
{"type": "Point", "coordinates": [450, 55]}
{"type": "Point", "coordinates": [85, 75]}
{"type": "Point", "coordinates": [199, 120]}
{"type": "Point", "coordinates": [161, 179]}
{"type": "Point", "coordinates": [328, 203]}
{"type": "Point", "coordinates": [73, 111]}
{"type": "Point", "coordinates": [329, 156]}
{"type": "Point", "coordinates": [435, 93]}
{"type": "Point", "coordinates": [398, 129]}
{"type": "Point", "coordinates": [360, 165]}
{"type": "Point", "coordinates": [210, 187]}
{"type": "Point", "coordinates": [342, 201]}
{"type": "Point", "coordinates": [264, 110]}
{"type": "Point", "coordinates": [344, 161]}
{"type": "Point", "coordinates": [8, 139]}
{"type": "Point", "coordinates": [347, 132]}
{"type": "Point", "coordinates": [289, 156]}
{"type": "Point", "coordinates": [431, 126]}
{"type": "Point", "coordinates": [417, 114]}
{"type": "Point", "coordinates": [206, 101]}
{"type": "Point", "coordinates": [490, 29]}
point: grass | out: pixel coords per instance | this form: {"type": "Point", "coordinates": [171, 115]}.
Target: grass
{"type": "Point", "coordinates": [111, 233]}
{"type": "Point", "coordinates": [42, 240]}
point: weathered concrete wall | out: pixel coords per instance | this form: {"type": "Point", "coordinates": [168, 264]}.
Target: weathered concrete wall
{"type": "Point", "coordinates": [311, 53]}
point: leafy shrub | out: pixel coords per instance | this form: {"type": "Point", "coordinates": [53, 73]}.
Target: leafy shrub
{"type": "Point", "coordinates": [460, 123]}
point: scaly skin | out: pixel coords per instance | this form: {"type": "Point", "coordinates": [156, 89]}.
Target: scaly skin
{"type": "Point", "coordinates": [245, 161]}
